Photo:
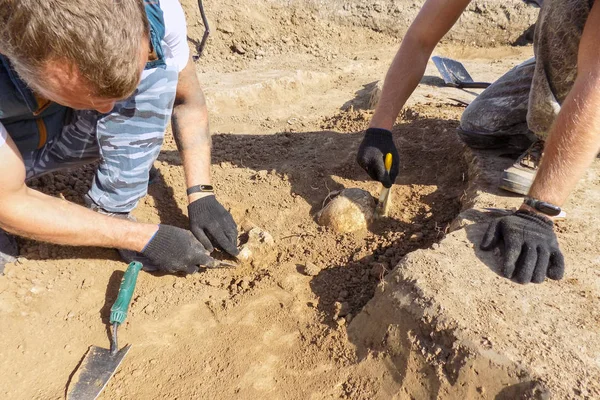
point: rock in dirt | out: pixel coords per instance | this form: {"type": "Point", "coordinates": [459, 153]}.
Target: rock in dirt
{"type": "Point", "coordinates": [258, 247]}
{"type": "Point", "coordinates": [350, 211]}
{"type": "Point", "coordinates": [238, 48]}
{"type": "Point", "coordinates": [374, 95]}
{"type": "Point", "coordinates": [311, 269]}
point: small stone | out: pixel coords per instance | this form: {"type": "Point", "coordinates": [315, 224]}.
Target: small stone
{"type": "Point", "coordinates": [416, 237]}
{"type": "Point", "coordinates": [238, 48]}
{"type": "Point", "coordinates": [245, 253]}
{"type": "Point", "coordinates": [153, 361]}
{"type": "Point", "coordinates": [245, 283]}
{"type": "Point", "coordinates": [341, 310]}
{"type": "Point", "coordinates": [344, 310]}
{"type": "Point", "coordinates": [149, 309]}
{"type": "Point", "coordinates": [226, 28]}
{"type": "Point", "coordinates": [375, 95]}
{"type": "Point", "coordinates": [178, 285]}
{"type": "Point", "coordinates": [341, 321]}
{"type": "Point", "coordinates": [136, 373]}
{"type": "Point", "coordinates": [311, 269]}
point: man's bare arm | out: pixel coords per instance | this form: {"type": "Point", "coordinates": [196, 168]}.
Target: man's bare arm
{"type": "Point", "coordinates": [32, 214]}
{"type": "Point", "coordinates": [190, 128]}
{"type": "Point", "coordinates": [431, 24]}
{"type": "Point", "coordinates": [574, 139]}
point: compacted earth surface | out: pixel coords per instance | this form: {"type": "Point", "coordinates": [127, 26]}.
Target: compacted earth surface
{"type": "Point", "coordinates": [406, 309]}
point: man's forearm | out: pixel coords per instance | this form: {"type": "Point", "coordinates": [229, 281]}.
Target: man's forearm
{"type": "Point", "coordinates": [190, 128]}
{"type": "Point", "coordinates": [402, 78]}
{"type": "Point", "coordinates": [433, 21]}
{"type": "Point", "coordinates": [573, 142]}
{"type": "Point", "coordinates": [37, 216]}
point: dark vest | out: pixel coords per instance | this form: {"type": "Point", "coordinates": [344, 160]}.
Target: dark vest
{"type": "Point", "coordinates": [31, 121]}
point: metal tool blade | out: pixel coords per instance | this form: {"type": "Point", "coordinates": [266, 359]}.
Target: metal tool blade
{"type": "Point", "coordinates": [452, 71]}
{"type": "Point", "coordinates": [455, 74]}
{"type": "Point", "coordinates": [95, 371]}
{"type": "Point", "coordinates": [226, 264]}
{"type": "Point", "coordinates": [382, 207]}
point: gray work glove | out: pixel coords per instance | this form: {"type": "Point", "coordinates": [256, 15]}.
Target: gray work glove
{"type": "Point", "coordinates": [175, 250]}
{"type": "Point", "coordinates": [213, 225]}
{"type": "Point", "coordinates": [531, 249]}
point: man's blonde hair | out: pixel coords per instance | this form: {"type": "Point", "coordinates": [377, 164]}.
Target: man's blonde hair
{"type": "Point", "coordinates": [99, 39]}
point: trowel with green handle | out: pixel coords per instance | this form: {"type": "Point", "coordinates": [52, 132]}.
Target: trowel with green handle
{"type": "Point", "coordinates": [99, 365]}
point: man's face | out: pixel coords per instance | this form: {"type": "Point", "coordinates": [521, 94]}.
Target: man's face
{"type": "Point", "coordinates": [65, 86]}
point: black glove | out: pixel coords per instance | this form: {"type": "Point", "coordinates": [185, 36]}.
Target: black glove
{"type": "Point", "coordinates": [371, 155]}
{"type": "Point", "coordinates": [212, 224]}
{"type": "Point", "coordinates": [174, 249]}
{"type": "Point", "coordinates": [530, 247]}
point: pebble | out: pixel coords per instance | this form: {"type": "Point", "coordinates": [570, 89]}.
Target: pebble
{"type": "Point", "coordinates": [178, 285]}
{"type": "Point", "coordinates": [238, 48]}
{"type": "Point", "coordinates": [311, 269]}
{"type": "Point", "coordinates": [245, 283]}
{"type": "Point", "coordinates": [416, 237]}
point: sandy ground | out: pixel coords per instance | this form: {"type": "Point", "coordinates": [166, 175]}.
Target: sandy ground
{"type": "Point", "coordinates": [287, 89]}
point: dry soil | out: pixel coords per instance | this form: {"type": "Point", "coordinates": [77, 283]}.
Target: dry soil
{"type": "Point", "coordinates": [287, 83]}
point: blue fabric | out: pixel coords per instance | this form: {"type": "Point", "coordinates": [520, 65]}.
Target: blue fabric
{"type": "Point", "coordinates": [157, 32]}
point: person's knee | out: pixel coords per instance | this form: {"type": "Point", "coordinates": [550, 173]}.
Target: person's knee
{"type": "Point", "coordinates": [471, 119]}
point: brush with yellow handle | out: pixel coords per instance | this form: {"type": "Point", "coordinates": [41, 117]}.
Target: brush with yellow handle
{"type": "Point", "coordinates": [385, 198]}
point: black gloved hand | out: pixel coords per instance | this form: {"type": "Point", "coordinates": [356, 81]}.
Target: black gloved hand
{"type": "Point", "coordinates": [371, 155]}
{"type": "Point", "coordinates": [174, 249]}
{"type": "Point", "coordinates": [212, 225]}
{"type": "Point", "coordinates": [531, 249]}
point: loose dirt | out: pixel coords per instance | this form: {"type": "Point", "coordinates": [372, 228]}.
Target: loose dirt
{"type": "Point", "coordinates": [287, 84]}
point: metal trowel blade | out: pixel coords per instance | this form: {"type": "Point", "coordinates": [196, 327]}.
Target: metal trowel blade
{"type": "Point", "coordinates": [452, 71]}
{"type": "Point", "coordinates": [95, 371]}
{"type": "Point", "coordinates": [383, 205]}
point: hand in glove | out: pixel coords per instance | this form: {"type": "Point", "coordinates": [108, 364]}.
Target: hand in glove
{"type": "Point", "coordinates": [212, 225]}
{"type": "Point", "coordinates": [174, 249]}
{"type": "Point", "coordinates": [531, 249]}
{"type": "Point", "coordinates": [371, 155]}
